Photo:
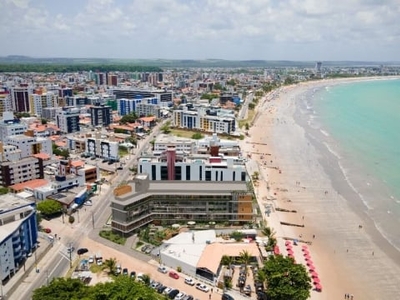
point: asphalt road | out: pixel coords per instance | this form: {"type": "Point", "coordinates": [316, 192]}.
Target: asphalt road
{"type": "Point", "coordinates": [58, 262]}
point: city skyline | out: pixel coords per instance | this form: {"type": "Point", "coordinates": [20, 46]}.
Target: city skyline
{"type": "Point", "coordinates": [310, 30]}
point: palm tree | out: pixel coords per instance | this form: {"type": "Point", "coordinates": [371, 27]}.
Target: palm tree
{"type": "Point", "coordinates": [110, 264]}
{"type": "Point", "coordinates": [245, 258]}
{"type": "Point", "coordinates": [145, 278]}
{"type": "Point", "coordinates": [226, 260]}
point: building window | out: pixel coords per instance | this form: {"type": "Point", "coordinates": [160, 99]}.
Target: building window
{"type": "Point", "coordinates": [208, 175]}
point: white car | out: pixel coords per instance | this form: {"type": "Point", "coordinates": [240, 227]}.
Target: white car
{"type": "Point", "coordinates": [162, 269]}
{"type": "Point", "coordinates": [189, 281]}
{"type": "Point", "coordinates": [202, 287]}
{"type": "Point", "coordinates": [91, 259]}
{"type": "Point", "coordinates": [167, 291]}
{"type": "Point", "coordinates": [180, 296]}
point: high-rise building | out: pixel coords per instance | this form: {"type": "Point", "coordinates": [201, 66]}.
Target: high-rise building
{"type": "Point", "coordinates": [67, 119]}
{"type": "Point", "coordinates": [40, 100]}
{"type": "Point", "coordinates": [10, 126]}
{"type": "Point", "coordinates": [5, 102]}
{"type": "Point", "coordinates": [20, 98]}
{"type": "Point", "coordinates": [100, 115]}
{"type": "Point", "coordinates": [112, 79]}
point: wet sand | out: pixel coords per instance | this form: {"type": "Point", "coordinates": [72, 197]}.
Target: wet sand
{"type": "Point", "coordinates": [301, 177]}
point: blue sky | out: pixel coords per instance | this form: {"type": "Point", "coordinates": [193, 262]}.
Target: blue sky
{"type": "Point", "coordinates": [200, 29]}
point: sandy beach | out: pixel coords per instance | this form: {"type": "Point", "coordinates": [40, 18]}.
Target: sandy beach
{"type": "Point", "coordinates": [349, 253]}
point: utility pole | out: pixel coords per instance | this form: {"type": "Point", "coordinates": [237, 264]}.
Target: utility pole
{"type": "Point", "coordinates": [70, 255]}
{"type": "Point", "coordinates": [47, 277]}
{"type": "Point", "coordinates": [93, 220]}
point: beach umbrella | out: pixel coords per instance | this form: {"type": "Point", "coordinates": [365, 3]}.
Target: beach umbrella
{"type": "Point", "coordinates": [305, 251]}
{"type": "Point", "coordinates": [310, 262]}
{"type": "Point", "coordinates": [318, 287]}
{"type": "Point", "coordinates": [287, 243]}
{"type": "Point", "coordinates": [276, 250]}
{"type": "Point", "coordinates": [313, 274]}
{"type": "Point", "coordinates": [307, 255]}
{"type": "Point", "coordinates": [316, 280]}
{"type": "Point", "coordinates": [311, 267]}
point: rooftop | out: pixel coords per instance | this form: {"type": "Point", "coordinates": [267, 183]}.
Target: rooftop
{"type": "Point", "coordinates": [31, 184]}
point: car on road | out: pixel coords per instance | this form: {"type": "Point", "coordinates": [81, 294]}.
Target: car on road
{"type": "Point", "coordinates": [120, 168]}
{"type": "Point", "coordinates": [47, 230]}
{"type": "Point", "coordinates": [173, 274]}
{"type": "Point", "coordinates": [180, 296]}
{"type": "Point", "coordinates": [81, 251]}
{"type": "Point", "coordinates": [202, 287]}
{"type": "Point", "coordinates": [189, 281]}
{"type": "Point", "coordinates": [125, 271]}
{"type": "Point", "coordinates": [162, 269]}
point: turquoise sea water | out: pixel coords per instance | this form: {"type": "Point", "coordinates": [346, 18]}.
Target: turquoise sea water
{"type": "Point", "coordinates": [361, 122]}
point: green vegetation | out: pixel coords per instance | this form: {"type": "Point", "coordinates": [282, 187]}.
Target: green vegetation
{"type": "Point", "coordinates": [209, 97]}
{"type": "Point", "coordinates": [197, 136]}
{"type": "Point", "coordinates": [113, 237]}
{"type": "Point", "coordinates": [130, 118]}
{"type": "Point", "coordinates": [3, 190]}
{"type": "Point", "coordinates": [237, 236]}
{"type": "Point", "coordinates": [123, 287]}
{"type": "Point", "coordinates": [122, 151]}
{"type": "Point", "coordinates": [49, 207]}
{"type": "Point", "coordinates": [71, 219]}
{"type": "Point", "coordinates": [60, 152]}
{"type": "Point", "coordinates": [155, 237]}
{"type": "Point", "coordinates": [166, 128]}
{"type": "Point", "coordinates": [285, 279]}
{"type": "Point", "coordinates": [218, 86]}
{"type": "Point", "coordinates": [66, 68]}
{"type": "Point", "coordinates": [111, 265]}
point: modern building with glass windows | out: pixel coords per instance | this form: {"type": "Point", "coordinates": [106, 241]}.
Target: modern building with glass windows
{"type": "Point", "coordinates": [18, 233]}
{"type": "Point", "coordinates": [167, 202]}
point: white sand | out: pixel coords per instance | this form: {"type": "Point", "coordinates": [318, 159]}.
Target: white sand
{"type": "Point", "coordinates": [347, 258]}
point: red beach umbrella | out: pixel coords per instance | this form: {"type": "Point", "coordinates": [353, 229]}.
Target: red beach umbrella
{"type": "Point", "coordinates": [287, 243]}
{"type": "Point", "coordinates": [316, 280]}
{"type": "Point", "coordinates": [313, 274]}
{"type": "Point", "coordinates": [304, 247]}
{"type": "Point", "coordinates": [310, 262]}
{"type": "Point", "coordinates": [307, 257]}
{"type": "Point", "coordinates": [290, 251]}
{"type": "Point", "coordinates": [306, 252]}
{"type": "Point", "coordinates": [276, 250]}
{"type": "Point", "coordinates": [318, 287]}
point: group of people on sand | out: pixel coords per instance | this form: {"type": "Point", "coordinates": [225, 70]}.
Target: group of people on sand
{"type": "Point", "coordinates": [348, 296]}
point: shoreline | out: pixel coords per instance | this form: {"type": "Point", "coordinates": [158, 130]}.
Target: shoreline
{"type": "Point", "coordinates": [350, 259]}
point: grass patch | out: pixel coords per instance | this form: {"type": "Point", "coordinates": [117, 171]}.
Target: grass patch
{"type": "Point", "coordinates": [113, 237]}
{"type": "Point", "coordinates": [184, 133]}
{"type": "Point", "coordinates": [94, 268]}
{"type": "Point", "coordinates": [251, 113]}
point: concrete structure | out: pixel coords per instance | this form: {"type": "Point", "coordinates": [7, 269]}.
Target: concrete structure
{"type": "Point", "coordinates": [18, 233]}
{"type": "Point", "coordinates": [29, 144]}
{"type": "Point", "coordinates": [9, 125]}
{"type": "Point", "coordinates": [9, 153]}
{"type": "Point", "coordinates": [5, 102]}
{"type": "Point", "coordinates": [20, 98]}
{"type": "Point", "coordinates": [163, 98]}
{"type": "Point", "coordinates": [148, 109]}
{"type": "Point", "coordinates": [67, 119]}
{"type": "Point", "coordinates": [143, 201]}
{"type": "Point", "coordinates": [103, 148]}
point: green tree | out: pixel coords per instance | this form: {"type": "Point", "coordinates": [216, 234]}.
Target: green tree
{"type": "Point", "coordinates": [237, 236]}
{"type": "Point", "coordinates": [252, 106]}
{"type": "Point", "coordinates": [226, 260]}
{"type": "Point", "coordinates": [71, 220]}
{"type": "Point", "coordinates": [49, 207]}
{"type": "Point", "coordinates": [145, 279]}
{"type": "Point", "coordinates": [245, 258]}
{"type": "Point", "coordinates": [111, 265]}
{"type": "Point", "coordinates": [44, 121]}
{"type": "Point", "coordinates": [130, 118]}
{"type": "Point", "coordinates": [231, 82]}
{"type": "Point", "coordinates": [286, 279]}
{"type": "Point", "coordinates": [166, 128]}
{"type": "Point", "coordinates": [62, 288]}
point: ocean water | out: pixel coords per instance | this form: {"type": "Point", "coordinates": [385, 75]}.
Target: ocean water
{"type": "Point", "coordinates": [359, 123]}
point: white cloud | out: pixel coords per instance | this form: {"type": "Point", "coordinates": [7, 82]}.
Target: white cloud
{"type": "Point", "coordinates": [235, 29]}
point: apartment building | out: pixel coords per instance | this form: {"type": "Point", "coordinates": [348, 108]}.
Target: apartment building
{"type": "Point", "coordinates": [100, 115]}
{"type": "Point", "coordinates": [19, 233]}
{"type": "Point", "coordinates": [41, 100]}
{"type": "Point", "coordinates": [143, 201]}
{"type": "Point", "coordinates": [11, 126]}
{"type": "Point", "coordinates": [204, 118]}
{"type": "Point", "coordinates": [30, 145]}
{"type": "Point", "coordinates": [25, 169]}
{"type": "Point", "coordinates": [103, 148]}
{"type": "Point", "coordinates": [67, 119]}
{"type": "Point", "coordinates": [5, 101]}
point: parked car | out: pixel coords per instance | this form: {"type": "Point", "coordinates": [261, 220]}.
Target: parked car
{"type": "Point", "coordinates": [162, 269]}
{"type": "Point", "coordinates": [133, 274]}
{"type": "Point", "coordinates": [189, 281]}
{"type": "Point", "coordinates": [172, 294]}
{"type": "Point", "coordinates": [161, 289]}
{"type": "Point", "coordinates": [144, 248]}
{"type": "Point", "coordinates": [188, 297]}
{"type": "Point", "coordinates": [202, 287]}
{"type": "Point", "coordinates": [155, 285]}
{"type": "Point", "coordinates": [180, 296]}
{"type": "Point", "coordinates": [167, 290]}
{"type": "Point", "coordinates": [227, 297]}
{"type": "Point", "coordinates": [118, 270]}
{"type": "Point", "coordinates": [125, 271]}
{"type": "Point", "coordinates": [81, 251]}
{"type": "Point", "coordinates": [173, 274]}
{"type": "Point", "coordinates": [47, 230]}
{"type": "Point", "coordinates": [91, 259]}
{"type": "Point", "coordinates": [247, 290]}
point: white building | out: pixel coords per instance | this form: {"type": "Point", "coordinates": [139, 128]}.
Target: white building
{"type": "Point", "coordinates": [10, 126]}
{"type": "Point", "coordinates": [9, 153]}
{"type": "Point", "coordinates": [5, 101]}
{"type": "Point", "coordinates": [30, 145]}
{"type": "Point", "coordinates": [40, 101]}
{"type": "Point", "coordinates": [104, 148]}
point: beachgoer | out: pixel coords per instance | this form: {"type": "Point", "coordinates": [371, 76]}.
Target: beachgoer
{"type": "Point", "coordinates": [373, 253]}
{"type": "Point", "coordinates": [313, 236]}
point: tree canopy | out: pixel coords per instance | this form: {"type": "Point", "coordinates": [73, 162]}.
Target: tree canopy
{"type": "Point", "coordinates": [130, 118]}
{"type": "Point", "coordinates": [65, 68]}
{"type": "Point", "coordinates": [49, 207]}
{"type": "Point", "coordinates": [122, 288]}
{"type": "Point", "coordinates": [286, 279]}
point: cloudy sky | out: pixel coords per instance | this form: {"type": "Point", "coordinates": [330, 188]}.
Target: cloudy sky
{"type": "Point", "coordinates": [200, 29]}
